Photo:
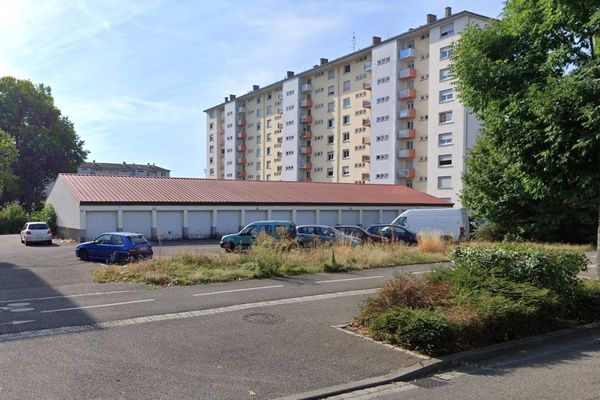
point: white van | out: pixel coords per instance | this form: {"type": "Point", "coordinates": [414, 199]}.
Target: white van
{"type": "Point", "coordinates": [450, 223]}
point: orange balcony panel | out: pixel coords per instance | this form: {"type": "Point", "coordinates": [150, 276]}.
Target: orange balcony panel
{"type": "Point", "coordinates": [406, 173]}
{"type": "Point", "coordinates": [366, 85]}
{"type": "Point", "coordinates": [307, 134]}
{"type": "Point", "coordinates": [366, 122]}
{"type": "Point", "coordinates": [366, 140]}
{"type": "Point", "coordinates": [242, 122]}
{"type": "Point", "coordinates": [306, 150]}
{"type": "Point", "coordinates": [241, 147]}
{"type": "Point", "coordinates": [408, 73]}
{"type": "Point", "coordinates": [366, 104]}
{"type": "Point", "coordinates": [306, 165]}
{"type": "Point", "coordinates": [406, 134]}
{"type": "Point", "coordinates": [242, 174]}
{"type": "Point", "coordinates": [407, 94]}
{"type": "Point", "coordinates": [408, 113]}
{"type": "Point", "coordinates": [406, 153]}
{"type": "Point", "coordinates": [366, 176]}
{"type": "Point", "coordinates": [241, 161]}
{"type": "Point", "coordinates": [241, 135]}
{"type": "Point", "coordinates": [306, 119]}
{"type": "Point", "coordinates": [306, 103]}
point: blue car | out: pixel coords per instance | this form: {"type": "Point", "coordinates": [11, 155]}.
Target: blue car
{"type": "Point", "coordinates": [115, 247]}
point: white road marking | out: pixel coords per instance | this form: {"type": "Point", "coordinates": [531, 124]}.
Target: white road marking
{"type": "Point", "coordinates": [419, 272]}
{"type": "Point", "coordinates": [238, 290]}
{"type": "Point", "coordinates": [97, 306]}
{"type": "Point", "coordinates": [17, 322]}
{"type": "Point", "coordinates": [180, 315]}
{"type": "Point", "coordinates": [69, 296]}
{"type": "Point", "coordinates": [351, 279]}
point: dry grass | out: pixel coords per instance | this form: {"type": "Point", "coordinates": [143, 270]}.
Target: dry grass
{"type": "Point", "coordinates": [548, 246]}
{"type": "Point", "coordinates": [431, 242]}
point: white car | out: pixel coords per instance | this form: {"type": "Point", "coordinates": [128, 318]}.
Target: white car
{"type": "Point", "coordinates": [36, 232]}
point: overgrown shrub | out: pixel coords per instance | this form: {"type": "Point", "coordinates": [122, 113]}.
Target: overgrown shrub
{"type": "Point", "coordinates": [586, 306]}
{"type": "Point", "coordinates": [12, 219]}
{"type": "Point", "coordinates": [46, 214]}
{"type": "Point", "coordinates": [490, 232]}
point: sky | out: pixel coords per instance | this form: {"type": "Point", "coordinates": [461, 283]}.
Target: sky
{"type": "Point", "coordinates": [135, 76]}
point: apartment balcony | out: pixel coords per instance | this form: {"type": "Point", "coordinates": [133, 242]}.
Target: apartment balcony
{"type": "Point", "coordinates": [241, 147]}
{"type": "Point", "coordinates": [280, 125]}
{"type": "Point", "coordinates": [366, 85]}
{"type": "Point", "coordinates": [241, 161]}
{"type": "Point", "coordinates": [280, 110]}
{"type": "Point", "coordinates": [407, 53]}
{"type": "Point", "coordinates": [241, 174]}
{"type": "Point", "coordinates": [366, 159]}
{"type": "Point", "coordinates": [366, 122]}
{"type": "Point", "coordinates": [307, 135]}
{"type": "Point", "coordinates": [306, 150]}
{"type": "Point", "coordinates": [407, 113]}
{"type": "Point", "coordinates": [306, 180]}
{"type": "Point", "coordinates": [367, 66]}
{"type": "Point", "coordinates": [366, 140]}
{"type": "Point", "coordinates": [306, 119]}
{"type": "Point", "coordinates": [241, 109]}
{"type": "Point", "coordinates": [407, 94]}
{"type": "Point", "coordinates": [306, 103]}
{"type": "Point", "coordinates": [241, 135]}
{"type": "Point", "coordinates": [406, 134]}
{"type": "Point", "coordinates": [408, 73]}
{"type": "Point", "coordinates": [305, 88]}
{"type": "Point", "coordinates": [406, 173]}
{"type": "Point", "coordinates": [306, 165]}
{"type": "Point", "coordinates": [241, 122]}
{"type": "Point", "coordinates": [366, 104]}
{"type": "Point", "coordinates": [366, 176]}
{"type": "Point", "coordinates": [406, 153]}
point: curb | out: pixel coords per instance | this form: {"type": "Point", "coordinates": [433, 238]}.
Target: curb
{"type": "Point", "coordinates": [428, 367]}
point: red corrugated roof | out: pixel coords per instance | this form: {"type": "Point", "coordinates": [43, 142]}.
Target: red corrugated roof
{"type": "Point", "coordinates": [159, 190]}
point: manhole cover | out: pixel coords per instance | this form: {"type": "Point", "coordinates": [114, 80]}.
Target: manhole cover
{"type": "Point", "coordinates": [263, 319]}
{"type": "Point", "coordinates": [430, 383]}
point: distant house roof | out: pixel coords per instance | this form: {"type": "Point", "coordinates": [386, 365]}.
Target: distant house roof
{"type": "Point", "coordinates": [100, 189]}
{"type": "Point", "coordinates": [123, 166]}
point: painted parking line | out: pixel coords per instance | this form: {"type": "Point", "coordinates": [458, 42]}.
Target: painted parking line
{"type": "Point", "coordinates": [351, 279]}
{"type": "Point", "coordinates": [97, 306]}
{"type": "Point", "coordinates": [238, 290]}
{"type": "Point", "coordinates": [68, 296]}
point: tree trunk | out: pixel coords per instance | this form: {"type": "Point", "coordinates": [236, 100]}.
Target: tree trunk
{"type": "Point", "coordinates": [598, 244]}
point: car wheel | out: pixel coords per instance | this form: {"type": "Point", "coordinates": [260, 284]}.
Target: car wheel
{"type": "Point", "coordinates": [49, 242]}
{"type": "Point", "coordinates": [26, 242]}
{"type": "Point", "coordinates": [22, 241]}
{"type": "Point", "coordinates": [83, 254]}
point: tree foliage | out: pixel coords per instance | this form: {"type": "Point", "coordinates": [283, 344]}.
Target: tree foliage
{"type": "Point", "coordinates": [44, 138]}
{"type": "Point", "coordinates": [533, 80]}
{"type": "Point", "coordinates": [8, 155]}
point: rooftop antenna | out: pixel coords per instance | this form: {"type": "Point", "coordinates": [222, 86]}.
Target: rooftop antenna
{"type": "Point", "coordinates": [353, 41]}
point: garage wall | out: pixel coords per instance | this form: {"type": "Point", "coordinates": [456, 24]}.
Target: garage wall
{"type": "Point", "coordinates": [98, 222]}
{"type": "Point", "coordinates": [67, 210]}
{"type": "Point", "coordinates": [328, 217]}
{"type": "Point", "coordinates": [170, 224]}
{"type": "Point", "coordinates": [138, 221]}
{"type": "Point", "coordinates": [306, 217]}
{"type": "Point", "coordinates": [281, 215]}
{"type": "Point", "coordinates": [199, 224]}
{"type": "Point", "coordinates": [254, 215]}
{"type": "Point", "coordinates": [228, 221]}
{"type": "Point", "coordinates": [350, 217]}
{"type": "Point", "coordinates": [389, 216]}
{"type": "Point", "coordinates": [370, 217]}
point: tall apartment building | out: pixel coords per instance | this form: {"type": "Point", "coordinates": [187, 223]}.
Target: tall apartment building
{"type": "Point", "coordinates": [386, 114]}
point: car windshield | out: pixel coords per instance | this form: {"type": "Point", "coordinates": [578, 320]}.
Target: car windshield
{"type": "Point", "coordinates": [137, 239]}
{"type": "Point", "coordinates": [38, 226]}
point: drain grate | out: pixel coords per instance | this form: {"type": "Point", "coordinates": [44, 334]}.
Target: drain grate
{"type": "Point", "coordinates": [264, 319]}
{"type": "Point", "coordinates": [430, 383]}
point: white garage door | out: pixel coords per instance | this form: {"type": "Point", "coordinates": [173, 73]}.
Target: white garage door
{"type": "Point", "coordinates": [350, 217]}
{"type": "Point", "coordinates": [370, 217]}
{"type": "Point", "coordinates": [139, 222]}
{"type": "Point", "coordinates": [253, 215]}
{"type": "Point", "coordinates": [389, 216]}
{"type": "Point", "coordinates": [306, 217]}
{"type": "Point", "coordinates": [199, 224]}
{"type": "Point", "coordinates": [228, 222]}
{"type": "Point", "coordinates": [98, 222]}
{"type": "Point", "coordinates": [328, 217]}
{"type": "Point", "coordinates": [281, 215]}
{"type": "Point", "coordinates": [169, 224]}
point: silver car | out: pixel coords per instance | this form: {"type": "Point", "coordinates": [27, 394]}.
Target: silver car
{"type": "Point", "coordinates": [307, 235]}
{"type": "Point", "coordinates": [36, 232]}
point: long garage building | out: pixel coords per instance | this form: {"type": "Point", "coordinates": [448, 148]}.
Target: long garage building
{"type": "Point", "coordinates": [186, 208]}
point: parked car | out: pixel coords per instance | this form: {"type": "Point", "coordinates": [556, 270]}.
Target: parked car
{"type": "Point", "coordinates": [246, 237]}
{"type": "Point", "coordinates": [394, 233]}
{"type": "Point", "coordinates": [449, 223]}
{"type": "Point", "coordinates": [36, 232]}
{"type": "Point", "coordinates": [361, 233]}
{"type": "Point", "coordinates": [115, 247]}
{"type": "Point", "coordinates": [310, 234]}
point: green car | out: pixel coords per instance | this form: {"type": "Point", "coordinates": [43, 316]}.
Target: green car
{"type": "Point", "coordinates": [247, 236]}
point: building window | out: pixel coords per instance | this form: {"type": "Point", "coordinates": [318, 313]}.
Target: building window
{"type": "Point", "coordinates": [330, 123]}
{"type": "Point", "coordinates": [445, 74]}
{"type": "Point", "coordinates": [345, 170]}
{"type": "Point", "coordinates": [445, 52]}
{"type": "Point", "coordinates": [330, 107]}
{"type": "Point", "coordinates": [445, 160]}
{"type": "Point", "coordinates": [329, 172]}
{"type": "Point", "coordinates": [445, 139]}
{"type": "Point", "coordinates": [446, 30]}
{"type": "Point", "coordinates": [331, 74]}
{"type": "Point", "coordinates": [269, 110]}
{"type": "Point", "coordinates": [444, 182]}
{"type": "Point", "coordinates": [347, 68]}
{"type": "Point", "coordinates": [258, 139]}
{"type": "Point", "coordinates": [346, 137]}
{"type": "Point", "coordinates": [346, 119]}
{"type": "Point", "coordinates": [446, 95]}
{"type": "Point", "coordinates": [330, 139]}
{"type": "Point", "coordinates": [346, 102]}
{"type": "Point", "coordinates": [329, 155]}
{"type": "Point", "coordinates": [269, 151]}
{"type": "Point", "coordinates": [211, 149]}
{"type": "Point", "coordinates": [258, 165]}
{"type": "Point", "coordinates": [258, 152]}
{"type": "Point", "coordinates": [331, 90]}
{"type": "Point", "coordinates": [258, 112]}
{"type": "Point", "coordinates": [445, 117]}
{"type": "Point", "coordinates": [211, 125]}
{"type": "Point", "coordinates": [345, 153]}
{"type": "Point", "coordinates": [346, 86]}
{"type": "Point", "coordinates": [268, 164]}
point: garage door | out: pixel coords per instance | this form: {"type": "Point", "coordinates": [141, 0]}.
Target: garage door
{"type": "Point", "coordinates": [169, 224]}
{"type": "Point", "coordinates": [389, 216]}
{"type": "Point", "coordinates": [253, 215]}
{"type": "Point", "coordinates": [328, 217]}
{"type": "Point", "coordinates": [228, 222]}
{"type": "Point", "coordinates": [199, 224]}
{"type": "Point", "coordinates": [281, 215]}
{"type": "Point", "coordinates": [370, 217]}
{"type": "Point", "coordinates": [138, 221]}
{"type": "Point", "coordinates": [98, 222]}
{"type": "Point", "coordinates": [306, 217]}
{"type": "Point", "coordinates": [350, 217]}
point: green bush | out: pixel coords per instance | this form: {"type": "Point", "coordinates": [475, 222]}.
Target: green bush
{"type": "Point", "coordinates": [46, 214]}
{"type": "Point", "coordinates": [586, 306]}
{"type": "Point", "coordinates": [12, 219]}
{"type": "Point", "coordinates": [490, 232]}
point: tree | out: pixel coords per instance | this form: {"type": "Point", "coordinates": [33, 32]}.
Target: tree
{"type": "Point", "coordinates": [45, 139]}
{"type": "Point", "coordinates": [8, 154]}
{"type": "Point", "coordinates": [533, 80]}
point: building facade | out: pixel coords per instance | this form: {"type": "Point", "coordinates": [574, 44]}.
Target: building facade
{"type": "Point", "coordinates": [386, 114]}
{"type": "Point", "coordinates": [94, 168]}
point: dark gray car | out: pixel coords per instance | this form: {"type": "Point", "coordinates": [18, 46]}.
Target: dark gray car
{"type": "Point", "coordinates": [310, 234]}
